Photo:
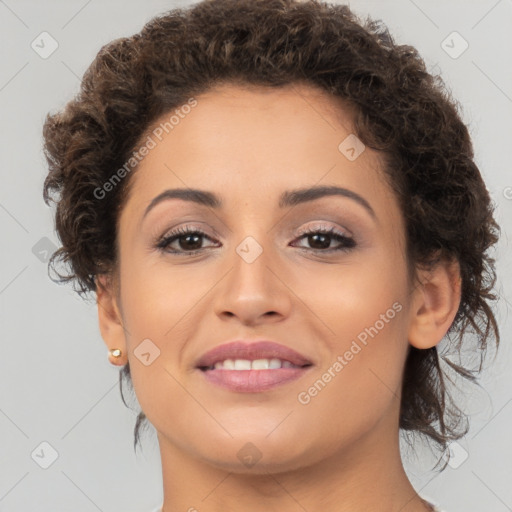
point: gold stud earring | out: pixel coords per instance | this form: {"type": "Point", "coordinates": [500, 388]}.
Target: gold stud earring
{"type": "Point", "coordinates": [114, 356]}
{"type": "Point", "coordinates": [115, 352]}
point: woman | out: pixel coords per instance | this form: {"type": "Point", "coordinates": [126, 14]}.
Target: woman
{"type": "Point", "coordinates": [278, 210]}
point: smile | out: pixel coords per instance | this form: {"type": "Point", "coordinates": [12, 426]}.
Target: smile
{"type": "Point", "coordinates": [246, 376]}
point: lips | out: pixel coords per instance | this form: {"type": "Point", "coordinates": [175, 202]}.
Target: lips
{"type": "Point", "coordinates": [251, 351]}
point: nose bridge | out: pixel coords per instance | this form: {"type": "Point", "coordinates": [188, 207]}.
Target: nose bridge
{"type": "Point", "coordinates": [252, 256]}
{"type": "Point", "coordinates": [254, 238]}
{"type": "Point", "coordinates": [251, 288]}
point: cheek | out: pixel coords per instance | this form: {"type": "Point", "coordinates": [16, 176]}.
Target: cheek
{"type": "Point", "coordinates": [364, 306]}
{"type": "Point", "coordinates": [156, 296]}
{"type": "Point", "coordinates": [360, 380]}
{"type": "Point", "coordinates": [354, 294]}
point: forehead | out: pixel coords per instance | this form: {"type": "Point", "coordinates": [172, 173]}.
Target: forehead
{"type": "Point", "coordinates": [244, 142]}
{"type": "Point", "coordinates": [300, 109]}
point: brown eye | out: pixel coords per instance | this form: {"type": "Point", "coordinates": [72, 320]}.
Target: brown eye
{"type": "Point", "coordinates": [320, 240]}
{"type": "Point", "coordinates": [189, 241]}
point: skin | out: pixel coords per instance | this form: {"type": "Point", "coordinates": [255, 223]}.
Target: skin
{"type": "Point", "coordinates": [339, 452]}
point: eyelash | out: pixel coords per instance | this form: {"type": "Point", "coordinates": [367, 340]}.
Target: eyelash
{"type": "Point", "coordinates": [162, 244]}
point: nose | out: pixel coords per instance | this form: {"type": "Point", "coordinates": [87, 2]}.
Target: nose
{"type": "Point", "coordinates": [254, 289]}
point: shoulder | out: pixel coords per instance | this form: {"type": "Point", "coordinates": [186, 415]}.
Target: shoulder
{"type": "Point", "coordinates": [436, 509]}
{"type": "Point", "coordinates": [428, 501]}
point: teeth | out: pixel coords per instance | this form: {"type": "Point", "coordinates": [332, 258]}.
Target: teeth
{"type": "Point", "coordinates": [257, 364]}
{"type": "Point", "coordinates": [229, 364]}
{"type": "Point", "coordinates": [275, 363]}
{"type": "Point", "coordinates": [242, 364]}
{"type": "Point", "coordinates": [263, 364]}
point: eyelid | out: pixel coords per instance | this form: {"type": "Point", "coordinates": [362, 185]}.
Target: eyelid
{"type": "Point", "coordinates": [179, 231]}
{"type": "Point", "coordinates": [171, 236]}
{"type": "Point", "coordinates": [189, 226]}
{"type": "Point", "coordinates": [321, 225]}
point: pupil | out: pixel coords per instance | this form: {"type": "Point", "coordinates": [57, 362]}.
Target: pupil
{"type": "Point", "coordinates": [197, 237]}
{"type": "Point", "coordinates": [317, 240]}
{"type": "Point", "coordinates": [322, 245]}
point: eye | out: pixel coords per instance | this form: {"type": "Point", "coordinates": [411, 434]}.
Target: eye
{"type": "Point", "coordinates": [189, 240]}
{"type": "Point", "coordinates": [322, 236]}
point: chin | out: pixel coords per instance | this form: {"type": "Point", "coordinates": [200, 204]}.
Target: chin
{"type": "Point", "coordinates": [258, 454]}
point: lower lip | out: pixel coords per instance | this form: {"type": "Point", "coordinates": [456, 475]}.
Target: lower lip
{"type": "Point", "coordinates": [253, 381]}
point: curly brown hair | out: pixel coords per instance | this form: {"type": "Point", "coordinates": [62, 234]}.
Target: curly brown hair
{"type": "Point", "coordinates": [401, 110]}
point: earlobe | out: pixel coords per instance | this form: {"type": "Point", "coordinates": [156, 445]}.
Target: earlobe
{"type": "Point", "coordinates": [435, 302]}
{"type": "Point", "coordinates": [109, 317]}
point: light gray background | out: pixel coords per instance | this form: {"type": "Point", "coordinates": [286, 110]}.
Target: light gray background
{"type": "Point", "coordinates": [56, 383]}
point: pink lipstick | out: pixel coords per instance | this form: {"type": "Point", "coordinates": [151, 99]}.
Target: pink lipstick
{"type": "Point", "coordinates": [252, 367]}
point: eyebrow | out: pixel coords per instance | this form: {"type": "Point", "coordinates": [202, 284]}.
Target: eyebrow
{"type": "Point", "coordinates": [287, 198]}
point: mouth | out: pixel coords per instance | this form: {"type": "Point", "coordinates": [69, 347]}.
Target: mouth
{"type": "Point", "coordinates": [252, 367]}
{"type": "Point", "coordinates": [252, 364]}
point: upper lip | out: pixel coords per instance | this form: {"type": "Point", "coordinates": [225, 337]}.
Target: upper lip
{"type": "Point", "coordinates": [251, 350]}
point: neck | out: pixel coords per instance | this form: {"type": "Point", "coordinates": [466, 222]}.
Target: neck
{"type": "Point", "coordinates": [366, 475]}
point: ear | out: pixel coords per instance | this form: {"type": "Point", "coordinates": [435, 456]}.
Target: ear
{"type": "Point", "coordinates": [110, 319]}
{"type": "Point", "coordinates": [435, 303]}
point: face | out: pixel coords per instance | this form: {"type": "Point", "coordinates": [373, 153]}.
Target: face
{"type": "Point", "coordinates": [324, 275]}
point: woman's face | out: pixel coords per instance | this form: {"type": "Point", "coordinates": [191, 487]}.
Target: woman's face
{"type": "Point", "coordinates": [342, 303]}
